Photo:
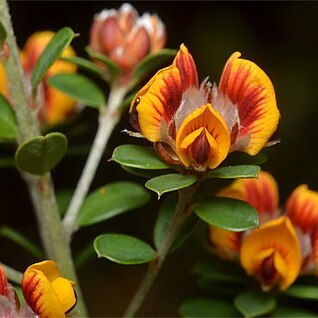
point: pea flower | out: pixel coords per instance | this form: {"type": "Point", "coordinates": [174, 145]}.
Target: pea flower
{"type": "Point", "coordinates": [125, 37]}
{"type": "Point", "coordinates": [285, 245]}
{"type": "Point", "coordinates": [54, 106]}
{"type": "Point", "coordinates": [196, 125]}
{"type": "Point", "coordinates": [47, 293]}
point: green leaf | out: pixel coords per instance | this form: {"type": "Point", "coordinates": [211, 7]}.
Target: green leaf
{"type": "Point", "coordinates": [218, 288]}
{"type": "Point", "coordinates": [8, 124]}
{"type": "Point", "coordinates": [84, 255]}
{"type": "Point", "coordinates": [60, 41]}
{"type": "Point", "coordinates": [63, 199]}
{"type": "Point", "coordinates": [234, 172]}
{"type": "Point", "coordinates": [84, 64]}
{"type": "Point", "coordinates": [111, 200]}
{"type": "Point", "coordinates": [303, 292]}
{"type": "Point", "coordinates": [253, 303]}
{"type": "Point", "coordinates": [170, 182]}
{"type": "Point", "coordinates": [123, 249]}
{"type": "Point", "coordinates": [163, 222]}
{"type": "Point", "coordinates": [207, 307]}
{"type": "Point", "coordinates": [3, 32]}
{"type": "Point", "coordinates": [142, 172]}
{"type": "Point", "coordinates": [292, 312]}
{"type": "Point", "coordinates": [228, 214]}
{"type": "Point", "coordinates": [139, 157]}
{"type": "Point", "coordinates": [6, 163]}
{"type": "Point", "coordinates": [152, 62]}
{"type": "Point", "coordinates": [20, 239]}
{"type": "Point", "coordinates": [78, 87]}
{"type": "Point", "coordinates": [220, 271]}
{"type": "Point", "coordinates": [41, 154]}
{"type": "Point", "coordinates": [242, 158]}
{"type": "Point", "coordinates": [113, 69]}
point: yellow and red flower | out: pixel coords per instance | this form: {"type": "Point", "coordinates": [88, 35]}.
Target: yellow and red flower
{"type": "Point", "coordinates": [197, 125]}
{"type": "Point", "coordinates": [46, 292]}
{"type": "Point", "coordinates": [126, 37]}
{"type": "Point", "coordinates": [285, 245]}
{"type": "Point", "coordinates": [54, 106]}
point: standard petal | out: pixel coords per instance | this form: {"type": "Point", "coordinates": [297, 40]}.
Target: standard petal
{"type": "Point", "coordinates": [186, 65]}
{"type": "Point", "coordinates": [4, 285]}
{"type": "Point", "coordinates": [272, 254]}
{"type": "Point", "coordinates": [261, 193]}
{"type": "Point", "coordinates": [46, 292]}
{"type": "Point", "coordinates": [203, 140]}
{"type": "Point", "coordinates": [155, 104]}
{"type": "Point", "coordinates": [302, 208]}
{"type": "Point", "coordinates": [251, 91]}
{"type": "Point", "coordinates": [226, 243]}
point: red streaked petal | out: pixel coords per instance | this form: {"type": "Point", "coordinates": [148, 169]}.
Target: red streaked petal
{"type": "Point", "coordinates": [46, 292]}
{"type": "Point", "coordinates": [251, 91]}
{"type": "Point", "coordinates": [302, 208]}
{"type": "Point", "coordinates": [261, 193]}
{"type": "Point", "coordinates": [226, 243]}
{"type": "Point", "coordinates": [155, 104]}
{"type": "Point", "coordinates": [186, 65]}
{"type": "Point", "coordinates": [4, 285]}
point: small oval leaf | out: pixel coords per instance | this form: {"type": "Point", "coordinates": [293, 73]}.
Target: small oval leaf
{"type": "Point", "coordinates": [253, 303]}
{"type": "Point", "coordinates": [234, 172]}
{"type": "Point", "coordinates": [170, 182]}
{"type": "Point", "coordinates": [78, 87]}
{"type": "Point", "coordinates": [8, 124]}
{"type": "Point", "coordinates": [207, 307]}
{"type": "Point", "coordinates": [303, 292]}
{"type": "Point", "coordinates": [123, 249]}
{"type": "Point", "coordinates": [111, 200]}
{"type": "Point", "coordinates": [228, 214]}
{"type": "Point", "coordinates": [3, 32]}
{"type": "Point", "coordinates": [112, 68]}
{"type": "Point", "coordinates": [41, 154]}
{"type": "Point", "coordinates": [152, 62]}
{"type": "Point", "coordinates": [60, 41]}
{"type": "Point", "coordinates": [84, 64]}
{"type": "Point", "coordinates": [140, 157]}
{"type": "Point", "coordinates": [163, 223]}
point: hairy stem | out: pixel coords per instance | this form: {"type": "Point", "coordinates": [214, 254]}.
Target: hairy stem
{"type": "Point", "coordinates": [40, 187]}
{"type": "Point", "coordinates": [181, 214]}
{"type": "Point", "coordinates": [108, 119]}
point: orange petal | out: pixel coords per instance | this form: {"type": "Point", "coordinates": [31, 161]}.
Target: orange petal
{"type": "Point", "coordinates": [154, 105]}
{"type": "Point", "coordinates": [251, 91]}
{"type": "Point", "coordinates": [3, 82]}
{"type": "Point", "coordinates": [261, 193]}
{"type": "Point", "coordinates": [185, 64]}
{"type": "Point", "coordinates": [302, 208]}
{"type": "Point", "coordinates": [272, 254]}
{"type": "Point", "coordinates": [46, 292]}
{"type": "Point", "coordinates": [4, 285]}
{"type": "Point", "coordinates": [203, 139]}
{"type": "Point", "coordinates": [226, 243]}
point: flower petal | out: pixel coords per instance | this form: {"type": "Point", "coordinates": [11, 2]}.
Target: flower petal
{"type": "Point", "coordinates": [272, 253]}
{"type": "Point", "coordinates": [203, 134]}
{"type": "Point", "coordinates": [4, 285]}
{"type": "Point", "coordinates": [46, 292]}
{"type": "Point", "coordinates": [261, 193]}
{"type": "Point", "coordinates": [302, 208]}
{"type": "Point", "coordinates": [251, 91]}
{"type": "Point", "coordinates": [154, 105]}
{"type": "Point", "coordinates": [186, 65]}
{"type": "Point", "coordinates": [226, 243]}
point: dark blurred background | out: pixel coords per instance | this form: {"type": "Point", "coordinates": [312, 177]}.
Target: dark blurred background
{"type": "Point", "coordinates": [281, 37]}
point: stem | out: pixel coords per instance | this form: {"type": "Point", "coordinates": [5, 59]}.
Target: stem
{"type": "Point", "coordinates": [181, 214]}
{"type": "Point", "coordinates": [108, 118]}
{"type": "Point", "coordinates": [12, 274]}
{"type": "Point", "coordinates": [40, 187]}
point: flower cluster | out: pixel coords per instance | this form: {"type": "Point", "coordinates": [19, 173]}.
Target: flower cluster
{"type": "Point", "coordinates": [197, 125]}
{"type": "Point", "coordinates": [286, 243]}
{"type": "Point", "coordinates": [46, 293]}
{"type": "Point", "coordinates": [54, 106]}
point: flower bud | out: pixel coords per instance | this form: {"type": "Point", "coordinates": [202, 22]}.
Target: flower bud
{"type": "Point", "coordinates": [126, 37]}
